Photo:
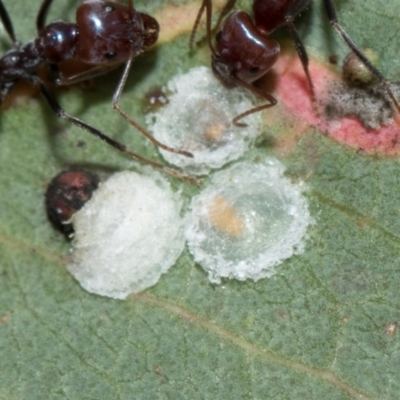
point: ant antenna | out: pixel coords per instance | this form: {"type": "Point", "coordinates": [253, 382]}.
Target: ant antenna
{"type": "Point", "coordinates": [8, 26]}
{"type": "Point", "coordinates": [41, 17]}
{"type": "Point", "coordinates": [196, 25]}
{"type": "Point", "coordinates": [209, 32]}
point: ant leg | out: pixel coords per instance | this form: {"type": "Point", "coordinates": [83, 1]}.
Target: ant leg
{"type": "Point", "coordinates": [259, 92]}
{"type": "Point", "coordinates": [5, 89]}
{"type": "Point", "coordinates": [42, 14]}
{"type": "Point", "coordinates": [207, 4]}
{"type": "Point", "coordinates": [197, 22]}
{"type": "Point", "coordinates": [8, 26]}
{"type": "Point", "coordinates": [60, 80]}
{"type": "Point", "coordinates": [330, 10]}
{"type": "Point", "coordinates": [208, 26]}
{"type": "Point", "coordinates": [301, 51]}
{"type": "Point", "coordinates": [111, 142]}
{"type": "Point", "coordinates": [227, 9]}
{"type": "Point", "coordinates": [115, 105]}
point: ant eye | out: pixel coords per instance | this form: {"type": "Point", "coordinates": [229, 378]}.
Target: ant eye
{"type": "Point", "coordinates": [110, 55]}
{"type": "Point", "coordinates": [218, 36]}
{"type": "Point", "coordinates": [254, 70]}
{"type": "Point", "coordinates": [109, 8]}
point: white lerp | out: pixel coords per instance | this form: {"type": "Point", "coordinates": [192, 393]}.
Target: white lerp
{"type": "Point", "coordinates": [198, 118]}
{"type": "Point", "coordinates": [127, 235]}
{"type": "Point", "coordinates": [247, 221]}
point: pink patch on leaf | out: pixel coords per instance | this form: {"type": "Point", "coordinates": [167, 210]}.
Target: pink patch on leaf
{"type": "Point", "coordinates": [292, 90]}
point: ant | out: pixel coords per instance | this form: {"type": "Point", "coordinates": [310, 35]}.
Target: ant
{"type": "Point", "coordinates": [243, 51]}
{"type": "Point", "coordinates": [105, 35]}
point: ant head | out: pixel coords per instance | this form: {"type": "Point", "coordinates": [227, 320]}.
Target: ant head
{"type": "Point", "coordinates": [111, 33]}
{"type": "Point", "coordinates": [241, 51]}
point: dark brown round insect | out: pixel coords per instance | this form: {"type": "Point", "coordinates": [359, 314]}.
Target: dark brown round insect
{"type": "Point", "coordinates": [355, 73]}
{"type": "Point", "coordinates": [156, 98]}
{"type": "Point", "coordinates": [106, 34]}
{"type": "Point", "coordinates": [66, 194]}
{"type": "Point", "coordinates": [243, 51]}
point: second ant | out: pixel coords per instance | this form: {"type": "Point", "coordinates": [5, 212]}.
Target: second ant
{"type": "Point", "coordinates": [244, 52]}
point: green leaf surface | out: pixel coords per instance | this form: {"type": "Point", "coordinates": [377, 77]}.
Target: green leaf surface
{"type": "Point", "coordinates": [323, 328]}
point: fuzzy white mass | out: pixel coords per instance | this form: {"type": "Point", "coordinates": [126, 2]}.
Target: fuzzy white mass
{"type": "Point", "coordinates": [198, 118]}
{"type": "Point", "coordinates": [127, 235]}
{"type": "Point", "coordinates": [247, 221]}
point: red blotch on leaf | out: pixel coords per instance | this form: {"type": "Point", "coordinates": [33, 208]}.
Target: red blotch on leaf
{"type": "Point", "coordinates": [292, 91]}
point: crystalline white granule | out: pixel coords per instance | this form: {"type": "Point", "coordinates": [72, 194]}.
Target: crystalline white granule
{"type": "Point", "coordinates": [247, 221]}
{"type": "Point", "coordinates": [198, 118]}
{"type": "Point", "coordinates": [127, 235]}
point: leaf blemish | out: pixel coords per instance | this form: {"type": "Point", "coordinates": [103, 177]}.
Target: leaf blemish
{"type": "Point", "coordinates": [344, 112]}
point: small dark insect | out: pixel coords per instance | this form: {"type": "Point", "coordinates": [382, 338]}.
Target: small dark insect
{"type": "Point", "coordinates": [243, 51]}
{"type": "Point", "coordinates": [156, 98]}
{"type": "Point", "coordinates": [66, 194]}
{"type": "Point", "coordinates": [333, 59]}
{"type": "Point", "coordinates": [105, 35]}
{"type": "Point", "coordinates": [355, 73]}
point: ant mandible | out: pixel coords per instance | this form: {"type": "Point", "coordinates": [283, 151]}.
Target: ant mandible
{"type": "Point", "coordinates": [243, 52]}
{"type": "Point", "coordinates": [105, 35]}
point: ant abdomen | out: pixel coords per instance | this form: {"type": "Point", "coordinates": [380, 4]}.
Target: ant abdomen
{"type": "Point", "coordinates": [248, 62]}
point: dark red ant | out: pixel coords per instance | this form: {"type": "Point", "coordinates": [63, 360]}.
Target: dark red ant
{"type": "Point", "coordinates": [105, 35]}
{"type": "Point", "coordinates": [243, 51]}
